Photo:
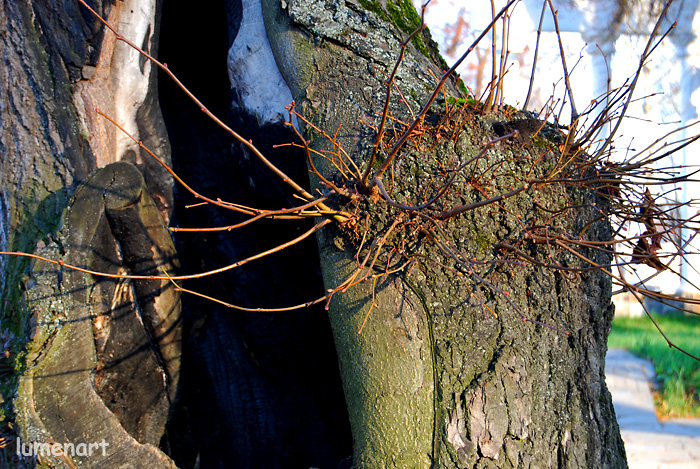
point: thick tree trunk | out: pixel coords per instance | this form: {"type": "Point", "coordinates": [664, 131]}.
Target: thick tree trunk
{"type": "Point", "coordinates": [105, 354]}
{"type": "Point", "coordinates": [260, 390]}
{"type": "Point", "coordinates": [102, 357]}
{"type": "Point", "coordinates": [445, 372]}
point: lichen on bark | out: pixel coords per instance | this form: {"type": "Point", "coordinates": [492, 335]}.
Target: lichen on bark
{"type": "Point", "coordinates": [91, 337]}
{"type": "Point", "coordinates": [55, 77]}
{"type": "Point", "coordinates": [505, 392]}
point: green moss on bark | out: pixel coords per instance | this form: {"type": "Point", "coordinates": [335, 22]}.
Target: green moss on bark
{"type": "Point", "coordinates": [500, 387]}
{"type": "Point", "coordinates": [505, 390]}
{"type": "Point", "coordinates": [375, 7]}
{"type": "Point", "coordinates": [404, 15]}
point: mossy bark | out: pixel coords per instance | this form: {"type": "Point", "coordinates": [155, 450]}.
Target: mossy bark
{"type": "Point", "coordinates": [42, 151]}
{"type": "Point", "coordinates": [513, 393]}
{"type": "Point", "coordinates": [435, 378]}
{"type": "Point", "coordinates": [104, 356]}
{"type": "Point", "coordinates": [387, 369]}
{"type": "Point", "coordinates": [56, 56]}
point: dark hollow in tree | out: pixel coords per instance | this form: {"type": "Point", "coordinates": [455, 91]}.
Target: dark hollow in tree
{"type": "Point", "coordinates": [259, 389]}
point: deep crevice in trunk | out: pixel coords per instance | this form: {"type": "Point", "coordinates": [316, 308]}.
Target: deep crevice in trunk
{"type": "Point", "coordinates": [257, 389]}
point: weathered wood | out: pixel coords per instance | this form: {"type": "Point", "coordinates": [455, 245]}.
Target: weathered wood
{"type": "Point", "coordinates": [101, 367]}
{"type": "Point", "coordinates": [59, 67]}
{"type": "Point", "coordinates": [428, 382]}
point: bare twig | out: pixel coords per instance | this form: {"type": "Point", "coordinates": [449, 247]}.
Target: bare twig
{"type": "Point", "coordinates": [534, 60]}
{"type": "Point", "coordinates": [407, 133]}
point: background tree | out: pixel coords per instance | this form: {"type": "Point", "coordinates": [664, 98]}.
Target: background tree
{"type": "Point", "coordinates": [465, 252]}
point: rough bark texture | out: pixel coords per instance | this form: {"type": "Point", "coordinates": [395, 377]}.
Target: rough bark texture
{"type": "Point", "coordinates": [43, 150]}
{"type": "Point", "coordinates": [514, 394]}
{"type": "Point", "coordinates": [104, 354]}
{"type": "Point", "coordinates": [335, 56]}
{"type": "Point", "coordinates": [335, 68]}
{"type": "Point", "coordinates": [435, 378]}
{"type": "Point", "coordinates": [58, 67]}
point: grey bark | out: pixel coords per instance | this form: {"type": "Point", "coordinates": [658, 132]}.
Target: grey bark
{"type": "Point", "coordinates": [105, 354]}
{"type": "Point", "coordinates": [78, 384]}
{"type": "Point", "coordinates": [429, 382]}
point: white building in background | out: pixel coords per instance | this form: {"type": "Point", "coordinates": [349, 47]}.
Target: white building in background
{"type": "Point", "coordinates": [604, 54]}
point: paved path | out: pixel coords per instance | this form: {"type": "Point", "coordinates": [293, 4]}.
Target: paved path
{"type": "Point", "coordinates": [649, 443]}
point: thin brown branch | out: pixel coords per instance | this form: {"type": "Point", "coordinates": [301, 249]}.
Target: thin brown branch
{"type": "Point", "coordinates": [574, 113]}
{"type": "Point", "coordinates": [243, 308]}
{"type": "Point", "coordinates": [263, 214]}
{"type": "Point", "coordinates": [95, 273]}
{"type": "Point", "coordinates": [247, 143]}
{"type": "Point", "coordinates": [534, 60]}
{"type": "Point", "coordinates": [642, 60]}
{"type": "Point", "coordinates": [390, 82]}
{"type": "Point", "coordinates": [407, 133]}
{"type": "Point", "coordinates": [453, 212]}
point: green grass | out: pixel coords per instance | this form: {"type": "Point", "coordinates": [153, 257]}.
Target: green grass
{"type": "Point", "coordinates": [678, 374]}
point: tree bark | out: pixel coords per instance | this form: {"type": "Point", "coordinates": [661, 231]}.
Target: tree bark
{"type": "Point", "coordinates": [445, 373]}
{"type": "Point", "coordinates": [85, 341]}
{"type": "Point", "coordinates": [434, 378]}
{"type": "Point", "coordinates": [105, 354]}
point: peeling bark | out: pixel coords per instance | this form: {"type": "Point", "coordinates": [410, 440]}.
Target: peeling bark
{"type": "Point", "coordinates": [59, 66]}
{"type": "Point", "coordinates": [431, 381]}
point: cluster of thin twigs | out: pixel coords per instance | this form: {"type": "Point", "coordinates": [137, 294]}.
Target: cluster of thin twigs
{"type": "Point", "coordinates": [640, 193]}
{"type": "Point", "coordinates": [582, 160]}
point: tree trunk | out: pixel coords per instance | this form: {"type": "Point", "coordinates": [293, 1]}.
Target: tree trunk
{"type": "Point", "coordinates": [102, 357]}
{"type": "Point", "coordinates": [438, 367]}
{"type": "Point", "coordinates": [445, 372]}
